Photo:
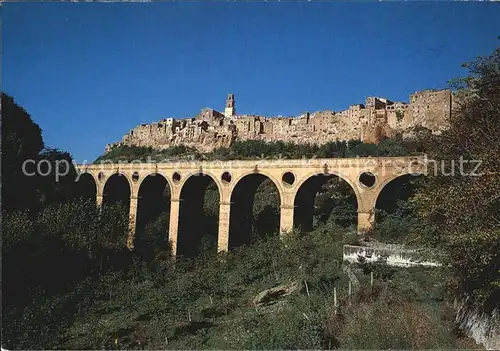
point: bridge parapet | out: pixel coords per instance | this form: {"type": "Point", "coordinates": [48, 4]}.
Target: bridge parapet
{"type": "Point", "coordinates": [361, 162]}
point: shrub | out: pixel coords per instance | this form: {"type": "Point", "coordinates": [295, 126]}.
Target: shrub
{"type": "Point", "coordinates": [394, 325]}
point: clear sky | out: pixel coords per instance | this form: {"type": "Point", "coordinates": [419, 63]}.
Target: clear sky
{"type": "Point", "coordinates": [89, 72]}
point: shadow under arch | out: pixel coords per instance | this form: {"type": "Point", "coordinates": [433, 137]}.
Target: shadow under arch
{"type": "Point", "coordinates": [255, 209]}
{"type": "Point", "coordinates": [86, 187]}
{"type": "Point", "coordinates": [198, 216]}
{"type": "Point", "coordinates": [153, 214]}
{"type": "Point", "coordinates": [324, 197]}
{"type": "Point", "coordinates": [400, 188]}
{"type": "Point", "coordinates": [117, 190]}
{"type": "Point", "coordinates": [395, 215]}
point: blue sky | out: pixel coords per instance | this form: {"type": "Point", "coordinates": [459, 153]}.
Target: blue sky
{"type": "Point", "coordinates": [89, 72]}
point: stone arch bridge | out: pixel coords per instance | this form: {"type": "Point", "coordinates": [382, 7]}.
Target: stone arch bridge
{"type": "Point", "coordinates": [237, 181]}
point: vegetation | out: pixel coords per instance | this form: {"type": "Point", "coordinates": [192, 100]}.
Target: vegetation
{"type": "Point", "coordinates": [70, 283]}
{"type": "Point", "coordinates": [146, 154]}
{"type": "Point", "coordinates": [106, 297]}
{"type": "Point", "coordinates": [399, 115]}
{"type": "Point", "coordinates": [255, 149]}
{"type": "Point", "coordinates": [126, 301]}
{"type": "Point", "coordinates": [466, 219]}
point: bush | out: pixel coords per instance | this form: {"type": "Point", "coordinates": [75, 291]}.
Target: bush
{"type": "Point", "coordinates": [394, 324]}
{"type": "Point", "coordinates": [465, 207]}
{"type": "Point", "coordinates": [259, 149]}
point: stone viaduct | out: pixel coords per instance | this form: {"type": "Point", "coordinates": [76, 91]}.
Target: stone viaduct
{"type": "Point", "coordinates": [237, 182]}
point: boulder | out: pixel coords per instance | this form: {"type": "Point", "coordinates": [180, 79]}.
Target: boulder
{"type": "Point", "coordinates": [269, 296]}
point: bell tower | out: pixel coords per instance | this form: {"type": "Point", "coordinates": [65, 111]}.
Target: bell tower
{"type": "Point", "coordinates": [230, 109]}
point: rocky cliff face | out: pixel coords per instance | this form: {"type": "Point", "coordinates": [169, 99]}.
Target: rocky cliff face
{"type": "Point", "coordinates": [377, 119]}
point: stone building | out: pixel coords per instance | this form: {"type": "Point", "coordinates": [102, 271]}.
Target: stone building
{"type": "Point", "coordinates": [376, 119]}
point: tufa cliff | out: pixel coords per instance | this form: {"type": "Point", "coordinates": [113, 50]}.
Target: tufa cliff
{"type": "Point", "coordinates": [377, 119]}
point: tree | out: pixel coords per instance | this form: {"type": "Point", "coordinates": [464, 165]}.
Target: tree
{"type": "Point", "coordinates": [33, 176]}
{"type": "Point", "coordinates": [21, 141]}
{"type": "Point", "coordinates": [59, 184]}
{"type": "Point", "coordinates": [463, 203]}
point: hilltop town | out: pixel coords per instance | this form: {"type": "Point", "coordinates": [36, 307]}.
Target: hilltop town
{"type": "Point", "coordinates": [371, 122]}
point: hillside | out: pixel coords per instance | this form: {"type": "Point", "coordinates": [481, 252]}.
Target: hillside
{"type": "Point", "coordinates": [69, 281]}
{"type": "Point", "coordinates": [416, 144]}
{"type": "Point", "coordinates": [377, 119]}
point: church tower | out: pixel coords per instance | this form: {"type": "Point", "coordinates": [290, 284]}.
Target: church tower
{"type": "Point", "coordinates": [230, 109]}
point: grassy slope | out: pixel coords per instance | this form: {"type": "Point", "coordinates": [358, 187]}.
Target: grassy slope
{"type": "Point", "coordinates": [207, 303]}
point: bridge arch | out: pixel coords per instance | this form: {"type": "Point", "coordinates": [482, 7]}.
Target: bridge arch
{"type": "Point", "coordinates": [268, 175]}
{"type": "Point", "coordinates": [395, 221]}
{"type": "Point", "coordinates": [92, 174]}
{"type": "Point", "coordinates": [244, 221]}
{"type": "Point", "coordinates": [153, 206]}
{"type": "Point", "coordinates": [198, 220]}
{"type": "Point", "coordinates": [86, 186]}
{"type": "Point", "coordinates": [144, 176]}
{"type": "Point", "coordinates": [108, 176]}
{"type": "Point", "coordinates": [384, 169]}
{"type": "Point", "coordinates": [306, 196]}
{"type": "Point", "coordinates": [341, 175]}
{"type": "Point", "coordinates": [117, 188]}
{"type": "Point", "coordinates": [389, 180]}
{"type": "Point", "coordinates": [189, 175]}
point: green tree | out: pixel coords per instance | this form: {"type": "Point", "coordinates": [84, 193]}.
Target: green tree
{"type": "Point", "coordinates": [464, 207]}
{"type": "Point", "coordinates": [21, 141]}
{"type": "Point", "coordinates": [59, 184]}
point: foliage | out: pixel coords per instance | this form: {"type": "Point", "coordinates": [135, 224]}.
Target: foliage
{"type": "Point", "coordinates": [398, 226]}
{"type": "Point", "coordinates": [287, 329]}
{"type": "Point", "coordinates": [467, 216]}
{"type": "Point", "coordinates": [335, 202]}
{"type": "Point", "coordinates": [59, 185]}
{"type": "Point", "coordinates": [152, 241]}
{"type": "Point", "coordinates": [21, 141]}
{"type": "Point", "coordinates": [81, 289]}
{"type": "Point", "coordinates": [32, 176]}
{"type": "Point", "coordinates": [394, 324]}
{"type": "Point", "coordinates": [63, 244]}
{"type": "Point", "coordinates": [258, 149]}
{"type": "Point", "coordinates": [127, 153]}
{"type": "Point", "coordinates": [206, 303]}
{"type": "Point", "coordinates": [105, 297]}
{"type": "Point", "coordinates": [399, 115]}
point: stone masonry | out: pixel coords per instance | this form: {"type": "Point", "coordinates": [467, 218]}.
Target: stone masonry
{"type": "Point", "coordinates": [287, 175]}
{"type": "Point", "coordinates": [378, 118]}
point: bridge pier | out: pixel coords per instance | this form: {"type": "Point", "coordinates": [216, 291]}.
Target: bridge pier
{"type": "Point", "coordinates": [99, 199]}
{"type": "Point", "coordinates": [366, 208]}
{"type": "Point", "coordinates": [173, 228]}
{"type": "Point", "coordinates": [247, 175]}
{"type": "Point", "coordinates": [132, 222]}
{"type": "Point", "coordinates": [224, 217]}
{"type": "Point", "coordinates": [366, 221]}
{"type": "Point", "coordinates": [286, 219]}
